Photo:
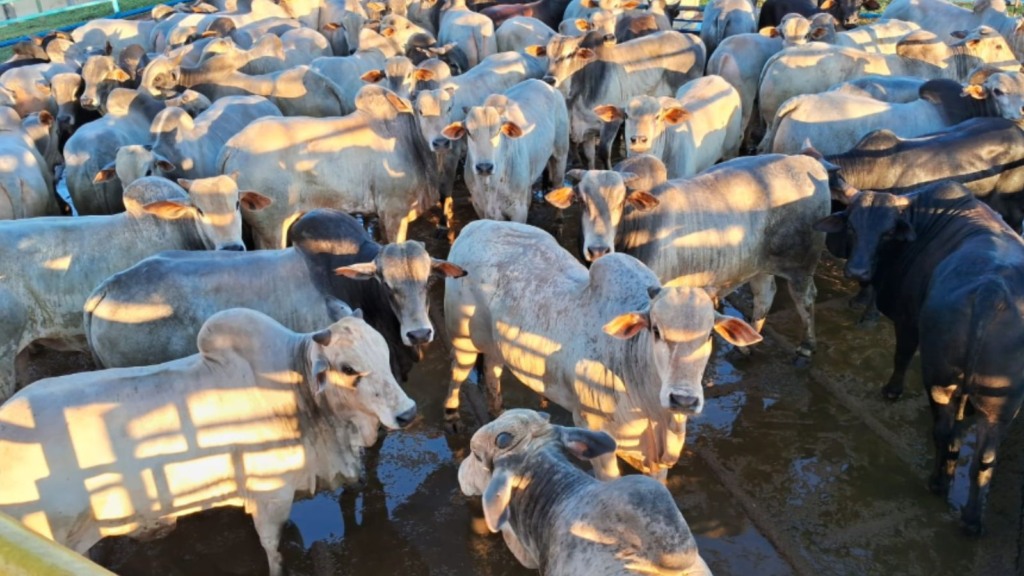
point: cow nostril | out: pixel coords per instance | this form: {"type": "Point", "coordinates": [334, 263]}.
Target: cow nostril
{"type": "Point", "coordinates": [440, 142]}
{"type": "Point", "coordinates": [596, 252]}
{"type": "Point", "coordinates": [550, 80]}
{"type": "Point", "coordinates": [683, 403]}
{"type": "Point", "coordinates": [420, 336]}
{"type": "Point", "coordinates": [234, 247]}
{"type": "Point", "coordinates": [406, 418]}
{"type": "Point", "coordinates": [632, 139]}
{"type": "Point", "coordinates": [485, 168]}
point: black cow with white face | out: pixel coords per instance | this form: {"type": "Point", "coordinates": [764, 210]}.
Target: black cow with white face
{"type": "Point", "coordinates": [949, 273]}
{"type": "Point", "coordinates": [846, 12]}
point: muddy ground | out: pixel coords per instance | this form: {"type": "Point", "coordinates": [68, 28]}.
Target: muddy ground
{"type": "Point", "coordinates": [788, 471]}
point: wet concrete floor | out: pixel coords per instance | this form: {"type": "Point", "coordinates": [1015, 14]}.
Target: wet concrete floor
{"type": "Point", "coordinates": [788, 471]}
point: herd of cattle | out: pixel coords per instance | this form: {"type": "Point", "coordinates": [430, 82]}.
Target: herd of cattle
{"type": "Point", "coordinates": [245, 378]}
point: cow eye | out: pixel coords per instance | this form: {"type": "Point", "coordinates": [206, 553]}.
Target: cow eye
{"type": "Point", "coordinates": [238, 204]}
{"type": "Point", "coordinates": [657, 332]}
{"type": "Point", "coordinates": [348, 370]}
{"type": "Point", "coordinates": [997, 91]}
{"type": "Point", "coordinates": [504, 440]}
{"type": "Point", "coordinates": [200, 212]}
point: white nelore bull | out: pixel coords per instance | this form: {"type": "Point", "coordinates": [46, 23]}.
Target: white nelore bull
{"type": "Point", "coordinates": [258, 415]}
{"type": "Point", "coordinates": [527, 304]}
{"type": "Point", "coordinates": [513, 137]}
{"type": "Point", "coordinates": [552, 514]}
{"type": "Point", "coordinates": [743, 221]}
{"type": "Point", "coordinates": [50, 265]}
{"type": "Point", "coordinates": [690, 132]}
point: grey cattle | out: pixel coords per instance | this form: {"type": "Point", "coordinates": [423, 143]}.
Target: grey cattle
{"type": "Point", "coordinates": [346, 72]}
{"type": "Point", "coordinates": [880, 37]}
{"type": "Point", "coordinates": [691, 233]}
{"type": "Point", "coordinates": [118, 32]}
{"type": "Point", "coordinates": [27, 89]}
{"type": "Point", "coordinates": [184, 147]}
{"type": "Point", "coordinates": [371, 161]}
{"type": "Point", "coordinates": [946, 19]}
{"type": "Point", "coordinates": [471, 32]}
{"type": "Point", "coordinates": [550, 512]}
{"type": "Point", "coordinates": [591, 72]}
{"type": "Point", "coordinates": [26, 178]}
{"type": "Point", "coordinates": [512, 139]}
{"type": "Point", "coordinates": [739, 60]}
{"type": "Point", "coordinates": [101, 74]}
{"type": "Point", "coordinates": [516, 33]}
{"type": "Point", "coordinates": [528, 305]}
{"type": "Point", "coordinates": [52, 264]}
{"type": "Point", "coordinates": [304, 286]}
{"type": "Point", "coordinates": [272, 414]}
{"type": "Point", "coordinates": [724, 18]}
{"type": "Point", "coordinates": [894, 89]}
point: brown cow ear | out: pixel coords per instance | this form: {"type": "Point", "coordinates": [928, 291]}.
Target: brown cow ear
{"type": "Point", "coordinates": [609, 113]}
{"type": "Point", "coordinates": [872, 5]}
{"type": "Point", "coordinates": [827, 5]}
{"type": "Point", "coordinates": [447, 268]}
{"type": "Point", "coordinates": [454, 131]}
{"type": "Point", "coordinates": [45, 118]}
{"type": "Point", "coordinates": [831, 224]}
{"type": "Point", "coordinates": [675, 115]}
{"type": "Point", "coordinates": [627, 325]}
{"type": "Point", "coordinates": [165, 166]}
{"type": "Point", "coordinates": [106, 174]}
{"type": "Point", "coordinates": [975, 91]}
{"type": "Point", "coordinates": [424, 75]}
{"type": "Point", "coordinates": [185, 183]}
{"type": "Point", "coordinates": [642, 200]}
{"type": "Point", "coordinates": [332, 26]}
{"type": "Point", "coordinates": [253, 201]}
{"type": "Point", "coordinates": [373, 76]}
{"type": "Point", "coordinates": [536, 50]}
{"type": "Point", "coordinates": [360, 271]}
{"type": "Point", "coordinates": [818, 33]}
{"type": "Point", "coordinates": [770, 32]}
{"type": "Point", "coordinates": [511, 129]}
{"type": "Point", "coordinates": [961, 34]}
{"type": "Point", "coordinates": [586, 54]}
{"type": "Point", "coordinates": [401, 104]}
{"type": "Point", "coordinates": [735, 331]}
{"type": "Point", "coordinates": [168, 209]}
{"type": "Point", "coordinates": [561, 197]}
{"type": "Point", "coordinates": [582, 25]}
{"type": "Point", "coordinates": [119, 75]}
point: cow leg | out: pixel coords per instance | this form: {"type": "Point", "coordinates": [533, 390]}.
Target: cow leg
{"type": "Point", "coordinates": [590, 152]}
{"type": "Point", "coordinates": [463, 360]}
{"type": "Point", "coordinates": [269, 516]}
{"type": "Point", "coordinates": [396, 226]}
{"type": "Point", "coordinates": [943, 399]}
{"type": "Point", "coordinates": [803, 292]}
{"type": "Point", "coordinates": [492, 379]}
{"type": "Point", "coordinates": [906, 346]}
{"type": "Point", "coordinates": [606, 467]}
{"type": "Point", "coordinates": [991, 430]}
{"type": "Point", "coordinates": [12, 328]}
{"type": "Point", "coordinates": [762, 288]}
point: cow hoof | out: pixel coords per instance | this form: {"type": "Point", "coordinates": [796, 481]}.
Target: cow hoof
{"type": "Point", "coordinates": [937, 485]}
{"type": "Point", "coordinates": [891, 392]}
{"type": "Point", "coordinates": [453, 422]}
{"type": "Point", "coordinates": [972, 528]}
{"type": "Point", "coordinates": [801, 361]}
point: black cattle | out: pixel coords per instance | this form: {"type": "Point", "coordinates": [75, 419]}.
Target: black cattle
{"type": "Point", "coordinates": [984, 154]}
{"type": "Point", "coordinates": [949, 273]}
{"type": "Point", "coordinates": [846, 12]}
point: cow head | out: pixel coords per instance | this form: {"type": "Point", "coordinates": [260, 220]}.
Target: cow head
{"type": "Point", "coordinates": [847, 12]}
{"type": "Point", "coordinates": [486, 130]}
{"type": "Point", "coordinates": [161, 77]}
{"type": "Point", "coordinates": [349, 370]}
{"type": "Point", "coordinates": [101, 75]}
{"type": "Point", "coordinates": [983, 45]}
{"type": "Point", "coordinates": [647, 120]}
{"type": "Point", "coordinates": [566, 56]}
{"type": "Point", "coordinates": [65, 88]}
{"type": "Point", "coordinates": [796, 30]}
{"type": "Point", "coordinates": [398, 75]}
{"type": "Point", "coordinates": [1004, 90]}
{"type": "Point", "coordinates": [213, 207]}
{"type": "Point", "coordinates": [604, 195]}
{"type": "Point", "coordinates": [499, 450]}
{"type": "Point", "coordinates": [133, 162]}
{"type": "Point", "coordinates": [872, 220]}
{"type": "Point", "coordinates": [434, 111]}
{"type": "Point", "coordinates": [404, 271]}
{"type": "Point", "coordinates": [679, 323]}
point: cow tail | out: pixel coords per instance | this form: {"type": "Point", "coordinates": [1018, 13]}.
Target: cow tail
{"type": "Point", "coordinates": [6, 198]}
{"type": "Point", "coordinates": [988, 301]}
{"type": "Point", "coordinates": [90, 306]}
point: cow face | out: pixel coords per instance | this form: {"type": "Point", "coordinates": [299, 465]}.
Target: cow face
{"type": "Point", "coordinates": [847, 12]}
{"type": "Point", "coordinates": [485, 130]}
{"type": "Point", "coordinates": [350, 371]}
{"type": "Point", "coordinates": [1005, 90]}
{"type": "Point", "coordinates": [566, 56]}
{"type": "Point", "coordinates": [404, 270]}
{"type": "Point", "coordinates": [398, 75]}
{"type": "Point", "coordinates": [101, 75]}
{"type": "Point", "coordinates": [499, 449]}
{"type": "Point", "coordinates": [647, 119]}
{"type": "Point", "coordinates": [133, 162]}
{"type": "Point", "coordinates": [214, 209]}
{"type": "Point", "coordinates": [434, 112]}
{"type": "Point", "coordinates": [872, 220]}
{"type": "Point", "coordinates": [679, 323]}
{"type": "Point", "coordinates": [987, 46]}
{"type": "Point", "coordinates": [65, 88]}
{"type": "Point", "coordinates": [604, 195]}
{"type": "Point", "coordinates": [161, 77]}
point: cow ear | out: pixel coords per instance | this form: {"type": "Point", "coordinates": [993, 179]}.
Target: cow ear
{"type": "Point", "coordinates": [454, 131]}
{"type": "Point", "coordinates": [642, 200]}
{"type": "Point", "coordinates": [586, 54]}
{"type": "Point", "coordinates": [511, 129]}
{"type": "Point", "coordinates": [961, 34]}
{"type": "Point", "coordinates": [975, 91]}
{"type": "Point", "coordinates": [818, 33]}
{"type": "Point", "coordinates": [536, 50]}
{"type": "Point", "coordinates": [770, 32]}
{"type": "Point", "coordinates": [831, 224]}
{"type": "Point", "coordinates": [423, 75]}
{"type": "Point", "coordinates": [447, 268]}
{"type": "Point", "coordinates": [253, 201]}
{"type": "Point", "coordinates": [401, 104]}
{"type": "Point", "coordinates": [585, 444]}
{"type": "Point", "coordinates": [561, 197]}
{"type": "Point", "coordinates": [168, 209]}
{"type": "Point", "coordinates": [674, 115]}
{"type": "Point", "coordinates": [872, 5]}
{"type": "Point", "coordinates": [118, 75]}
{"type": "Point", "coordinates": [360, 271]}
{"type": "Point", "coordinates": [735, 331]}
{"type": "Point", "coordinates": [609, 113]}
{"type": "Point", "coordinates": [582, 25]}
{"type": "Point", "coordinates": [575, 175]}
{"type": "Point", "coordinates": [45, 118]}
{"type": "Point", "coordinates": [496, 498]}
{"type": "Point", "coordinates": [106, 174]}
{"type": "Point", "coordinates": [827, 5]}
{"type": "Point", "coordinates": [332, 26]}
{"type": "Point", "coordinates": [336, 309]}
{"type": "Point", "coordinates": [322, 337]}
{"type": "Point", "coordinates": [165, 165]}
{"type": "Point", "coordinates": [373, 76]}
{"type": "Point", "coordinates": [904, 232]}
{"type": "Point", "coordinates": [627, 325]}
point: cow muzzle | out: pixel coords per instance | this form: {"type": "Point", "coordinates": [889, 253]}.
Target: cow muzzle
{"type": "Point", "coordinates": [484, 168]}
{"type": "Point", "coordinates": [420, 336]}
{"type": "Point", "coordinates": [685, 403]}
{"type": "Point", "coordinates": [440, 143]}
{"type": "Point", "coordinates": [595, 252]}
{"type": "Point", "coordinates": [88, 103]}
{"type": "Point", "coordinates": [406, 418]}
{"type": "Point", "coordinates": [858, 273]}
{"type": "Point", "coordinates": [549, 79]}
{"type": "Point", "coordinates": [234, 247]}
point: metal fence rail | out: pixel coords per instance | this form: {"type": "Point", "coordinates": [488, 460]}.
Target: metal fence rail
{"type": "Point", "coordinates": [25, 553]}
